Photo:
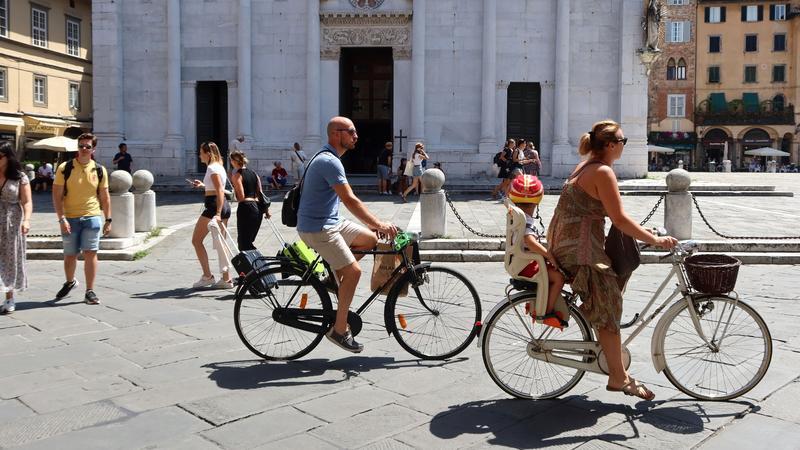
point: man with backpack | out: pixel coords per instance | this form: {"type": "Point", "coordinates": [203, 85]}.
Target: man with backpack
{"type": "Point", "coordinates": [322, 228]}
{"type": "Point", "coordinates": [83, 208]}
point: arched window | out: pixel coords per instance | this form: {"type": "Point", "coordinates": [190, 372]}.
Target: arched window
{"type": "Point", "coordinates": [671, 69]}
{"type": "Point", "coordinates": [778, 102]}
{"type": "Point", "coordinates": [680, 73]}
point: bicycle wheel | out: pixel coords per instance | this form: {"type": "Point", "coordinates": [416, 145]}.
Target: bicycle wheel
{"type": "Point", "coordinates": [506, 336]}
{"type": "Point", "coordinates": [253, 315]}
{"type": "Point", "coordinates": [734, 362]}
{"type": "Point", "coordinates": [438, 318]}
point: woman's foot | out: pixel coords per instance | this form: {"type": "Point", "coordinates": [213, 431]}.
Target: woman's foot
{"type": "Point", "coordinates": [204, 282]}
{"type": "Point", "coordinates": [223, 284]}
{"type": "Point", "coordinates": [403, 195]}
{"type": "Point", "coordinates": [634, 389]}
{"type": "Point", "coordinates": [8, 306]}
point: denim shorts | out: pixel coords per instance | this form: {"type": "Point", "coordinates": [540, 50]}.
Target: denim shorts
{"type": "Point", "coordinates": [383, 172]}
{"type": "Point", "coordinates": [84, 235]}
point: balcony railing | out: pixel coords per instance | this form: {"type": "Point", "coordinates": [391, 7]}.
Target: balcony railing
{"type": "Point", "coordinates": [735, 114]}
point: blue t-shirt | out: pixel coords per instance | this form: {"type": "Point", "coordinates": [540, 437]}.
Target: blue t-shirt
{"type": "Point", "coordinates": [319, 204]}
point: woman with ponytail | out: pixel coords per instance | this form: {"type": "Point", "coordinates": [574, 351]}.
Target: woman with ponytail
{"type": "Point", "coordinates": [576, 240]}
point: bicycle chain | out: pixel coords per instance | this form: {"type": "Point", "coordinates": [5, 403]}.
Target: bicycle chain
{"type": "Point", "coordinates": [725, 236]}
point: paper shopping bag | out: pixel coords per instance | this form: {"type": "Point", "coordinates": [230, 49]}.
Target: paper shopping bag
{"type": "Point", "coordinates": [383, 267]}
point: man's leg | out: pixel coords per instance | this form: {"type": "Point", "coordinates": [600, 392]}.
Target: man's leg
{"type": "Point", "coordinates": [90, 268]}
{"type": "Point", "coordinates": [70, 264]}
{"type": "Point", "coordinates": [363, 241]}
{"type": "Point", "coordinates": [348, 276]}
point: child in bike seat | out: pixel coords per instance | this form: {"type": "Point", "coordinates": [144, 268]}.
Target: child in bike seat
{"type": "Point", "coordinates": [526, 191]}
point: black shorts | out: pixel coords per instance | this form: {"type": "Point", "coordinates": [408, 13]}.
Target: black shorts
{"type": "Point", "coordinates": [210, 203]}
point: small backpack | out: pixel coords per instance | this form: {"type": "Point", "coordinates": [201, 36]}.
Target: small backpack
{"type": "Point", "coordinates": [497, 160]}
{"type": "Point", "coordinates": [68, 171]}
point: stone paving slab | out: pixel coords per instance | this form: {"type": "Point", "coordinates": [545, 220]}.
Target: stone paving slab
{"type": "Point", "coordinates": [756, 431]}
{"type": "Point", "coordinates": [249, 432]}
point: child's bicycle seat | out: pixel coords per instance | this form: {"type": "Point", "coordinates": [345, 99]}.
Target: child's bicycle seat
{"type": "Point", "coordinates": [517, 259]}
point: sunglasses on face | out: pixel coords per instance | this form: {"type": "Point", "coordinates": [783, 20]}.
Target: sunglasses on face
{"type": "Point", "coordinates": [350, 131]}
{"type": "Point", "coordinates": [85, 146]}
{"type": "Point", "coordinates": [623, 140]}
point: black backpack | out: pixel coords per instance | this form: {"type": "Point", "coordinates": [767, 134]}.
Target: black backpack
{"type": "Point", "coordinates": [291, 202]}
{"type": "Point", "coordinates": [68, 171]}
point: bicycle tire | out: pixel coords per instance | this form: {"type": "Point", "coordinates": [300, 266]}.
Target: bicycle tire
{"type": "Point", "coordinates": [691, 365]}
{"type": "Point", "coordinates": [434, 336]}
{"type": "Point", "coordinates": [512, 369]}
{"type": "Point", "coordinates": [260, 333]}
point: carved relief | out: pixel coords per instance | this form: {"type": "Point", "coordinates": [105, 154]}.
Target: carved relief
{"type": "Point", "coordinates": [366, 4]}
{"type": "Point", "coordinates": [330, 53]}
{"type": "Point", "coordinates": [371, 37]}
{"type": "Point", "coordinates": [401, 53]}
{"type": "Point", "coordinates": [389, 29]}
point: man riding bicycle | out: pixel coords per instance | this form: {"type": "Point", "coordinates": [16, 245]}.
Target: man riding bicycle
{"type": "Point", "coordinates": [322, 228]}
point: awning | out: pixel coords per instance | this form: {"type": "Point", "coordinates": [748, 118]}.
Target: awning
{"type": "Point", "coordinates": [718, 103]}
{"type": "Point", "coordinates": [47, 126]}
{"type": "Point", "coordinates": [750, 100]}
{"type": "Point", "coordinates": [6, 121]}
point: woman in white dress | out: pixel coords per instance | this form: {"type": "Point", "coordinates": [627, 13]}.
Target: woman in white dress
{"type": "Point", "coordinates": [16, 206]}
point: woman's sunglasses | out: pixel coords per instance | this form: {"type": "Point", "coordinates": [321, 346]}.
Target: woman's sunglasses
{"type": "Point", "coordinates": [623, 140]}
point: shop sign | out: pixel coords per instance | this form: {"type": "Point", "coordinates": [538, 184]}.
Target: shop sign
{"type": "Point", "coordinates": [33, 126]}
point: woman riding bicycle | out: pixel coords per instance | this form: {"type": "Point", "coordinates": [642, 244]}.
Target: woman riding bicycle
{"type": "Point", "coordinates": [576, 238]}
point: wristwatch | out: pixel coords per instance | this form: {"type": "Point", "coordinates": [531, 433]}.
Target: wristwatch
{"type": "Point", "coordinates": [62, 220]}
{"type": "Point", "coordinates": [108, 220]}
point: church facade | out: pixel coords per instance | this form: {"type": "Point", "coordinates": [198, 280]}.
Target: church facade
{"type": "Point", "coordinates": [459, 75]}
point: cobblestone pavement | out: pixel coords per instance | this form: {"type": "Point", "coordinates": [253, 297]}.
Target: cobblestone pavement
{"type": "Point", "coordinates": [158, 365]}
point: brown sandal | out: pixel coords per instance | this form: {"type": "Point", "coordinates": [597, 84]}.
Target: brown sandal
{"type": "Point", "coordinates": [634, 389]}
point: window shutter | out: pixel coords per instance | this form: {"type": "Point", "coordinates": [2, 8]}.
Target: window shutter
{"type": "Point", "coordinates": [708, 14]}
{"type": "Point", "coordinates": [760, 13]}
{"type": "Point", "coordinates": [668, 32]}
{"type": "Point", "coordinates": [771, 12]}
{"type": "Point", "coordinates": [687, 31]}
{"type": "Point", "coordinates": [744, 13]}
{"type": "Point", "coordinates": [722, 14]}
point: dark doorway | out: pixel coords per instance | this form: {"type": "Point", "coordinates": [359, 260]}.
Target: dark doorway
{"type": "Point", "coordinates": [367, 76]}
{"type": "Point", "coordinates": [212, 116]}
{"type": "Point", "coordinates": [524, 112]}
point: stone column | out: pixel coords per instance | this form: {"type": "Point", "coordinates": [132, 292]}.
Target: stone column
{"type": "Point", "coordinates": [121, 204]}
{"type": "Point", "coordinates": [329, 85]}
{"type": "Point", "coordinates": [109, 79]}
{"type": "Point", "coordinates": [244, 71]}
{"type": "Point", "coordinates": [417, 75]}
{"type": "Point", "coordinates": [562, 159]}
{"type": "Point", "coordinates": [632, 113]}
{"type": "Point", "coordinates": [402, 102]}
{"type": "Point", "coordinates": [144, 201]}
{"type": "Point", "coordinates": [678, 205]}
{"type": "Point", "coordinates": [488, 143]}
{"type": "Point", "coordinates": [173, 142]}
{"type": "Point", "coordinates": [312, 140]}
{"type": "Point", "coordinates": [189, 124]}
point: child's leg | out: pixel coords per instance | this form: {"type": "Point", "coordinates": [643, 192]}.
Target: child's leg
{"type": "Point", "coordinates": [555, 284]}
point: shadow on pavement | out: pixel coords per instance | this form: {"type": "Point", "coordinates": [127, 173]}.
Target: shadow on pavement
{"type": "Point", "coordinates": [179, 293]}
{"type": "Point", "coordinates": [568, 421]}
{"type": "Point", "coordinates": [255, 374]}
{"type": "Point", "coordinates": [22, 306]}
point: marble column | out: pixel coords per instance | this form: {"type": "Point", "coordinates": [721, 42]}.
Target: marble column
{"type": "Point", "coordinates": [189, 125]}
{"type": "Point", "coordinates": [488, 143]}
{"type": "Point", "coordinates": [563, 158]}
{"type": "Point", "coordinates": [312, 140]}
{"type": "Point", "coordinates": [244, 78]}
{"type": "Point", "coordinates": [173, 142]}
{"type": "Point", "coordinates": [417, 75]}
{"type": "Point", "coordinates": [329, 85]}
{"type": "Point", "coordinates": [109, 79]}
{"type": "Point", "coordinates": [632, 113]}
{"type": "Point", "coordinates": [402, 102]}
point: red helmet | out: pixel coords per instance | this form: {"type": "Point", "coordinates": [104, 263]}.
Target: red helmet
{"type": "Point", "coordinates": [526, 189]}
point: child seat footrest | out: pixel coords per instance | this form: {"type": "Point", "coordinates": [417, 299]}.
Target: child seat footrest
{"type": "Point", "coordinates": [523, 285]}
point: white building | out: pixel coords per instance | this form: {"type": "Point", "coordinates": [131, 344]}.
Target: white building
{"type": "Point", "coordinates": [460, 75]}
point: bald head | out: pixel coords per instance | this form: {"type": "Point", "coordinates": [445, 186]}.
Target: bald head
{"type": "Point", "coordinates": [338, 123]}
{"type": "Point", "coordinates": [342, 134]}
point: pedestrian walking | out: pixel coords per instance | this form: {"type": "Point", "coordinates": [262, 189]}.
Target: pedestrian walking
{"type": "Point", "coordinates": [123, 159]}
{"type": "Point", "coordinates": [321, 226]}
{"type": "Point", "coordinates": [576, 241]}
{"type": "Point", "coordinates": [385, 169]}
{"type": "Point", "coordinates": [216, 208]}
{"type": "Point", "coordinates": [531, 163]}
{"type": "Point", "coordinates": [297, 162]}
{"type": "Point", "coordinates": [503, 160]}
{"type": "Point", "coordinates": [16, 206]}
{"type": "Point", "coordinates": [81, 200]}
{"type": "Point", "coordinates": [247, 187]}
{"type": "Point", "coordinates": [417, 157]}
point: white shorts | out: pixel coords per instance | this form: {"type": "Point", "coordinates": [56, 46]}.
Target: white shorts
{"type": "Point", "coordinates": [334, 244]}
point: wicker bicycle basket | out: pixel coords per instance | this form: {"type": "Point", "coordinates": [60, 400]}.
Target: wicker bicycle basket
{"type": "Point", "coordinates": [712, 273]}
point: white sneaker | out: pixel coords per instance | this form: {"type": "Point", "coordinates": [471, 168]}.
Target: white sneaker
{"type": "Point", "coordinates": [204, 282]}
{"type": "Point", "coordinates": [222, 284]}
{"type": "Point", "coordinates": [8, 306]}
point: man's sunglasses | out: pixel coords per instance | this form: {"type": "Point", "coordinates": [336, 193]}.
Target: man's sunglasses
{"type": "Point", "coordinates": [350, 131]}
{"type": "Point", "coordinates": [85, 146]}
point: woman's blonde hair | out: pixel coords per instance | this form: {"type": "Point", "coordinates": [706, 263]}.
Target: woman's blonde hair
{"type": "Point", "coordinates": [595, 141]}
{"type": "Point", "coordinates": [418, 145]}
{"type": "Point", "coordinates": [212, 149]}
{"type": "Point", "coordinates": [239, 157]}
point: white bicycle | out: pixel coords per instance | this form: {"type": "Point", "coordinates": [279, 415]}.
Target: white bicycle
{"type": "Point", "coordinates": [709, 346]}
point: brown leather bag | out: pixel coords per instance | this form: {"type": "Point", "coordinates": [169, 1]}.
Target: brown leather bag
{"type": "Point", "coordinates": [623, 251]}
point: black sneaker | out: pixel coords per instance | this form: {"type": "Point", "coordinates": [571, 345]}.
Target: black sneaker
{"type": "Point", "coordinates": [346, 342]}
{"type": "Point", "coordinates": [66, 288]}
{"type": "Point", "coordinates": [91, 298]}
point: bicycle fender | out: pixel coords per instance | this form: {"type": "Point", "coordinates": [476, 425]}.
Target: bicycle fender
{"type": "Point", "coordinates": [497, 307]}
{"type": "Point", "coordinates": [388, 318]}
{"type": "Point", "coordinates": [656, 342]}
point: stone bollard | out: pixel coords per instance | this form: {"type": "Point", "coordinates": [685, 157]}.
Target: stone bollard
{"type": "Point", "coordinates": [678, 205]}
{"type": "Point", "coordinates": [121, 204]}
{"type": "Point", "coordinates": [433, 204]}
{"type": "Point", "coordinates": [144, 201]}
{"type": "Point", "coordinates": [680, 164]}
{"type": "Point", "coordinates": [726, 166]}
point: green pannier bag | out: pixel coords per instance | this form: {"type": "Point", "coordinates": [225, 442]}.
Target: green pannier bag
{"type": "Point", "coordinates": [302, 254]}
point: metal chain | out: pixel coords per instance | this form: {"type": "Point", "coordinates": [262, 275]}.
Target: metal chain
{"type": "Point", "coordinates": [653, 211]}
{"type": "Point", "coordinates": [460, 219]}
{"type": "Point", "coordinates": [725, 236]}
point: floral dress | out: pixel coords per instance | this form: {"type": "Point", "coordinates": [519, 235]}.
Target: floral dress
{"type": "Point", "coordinates": [576, 240]}
{"type": "Point", "coordinates": [12, 241]}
